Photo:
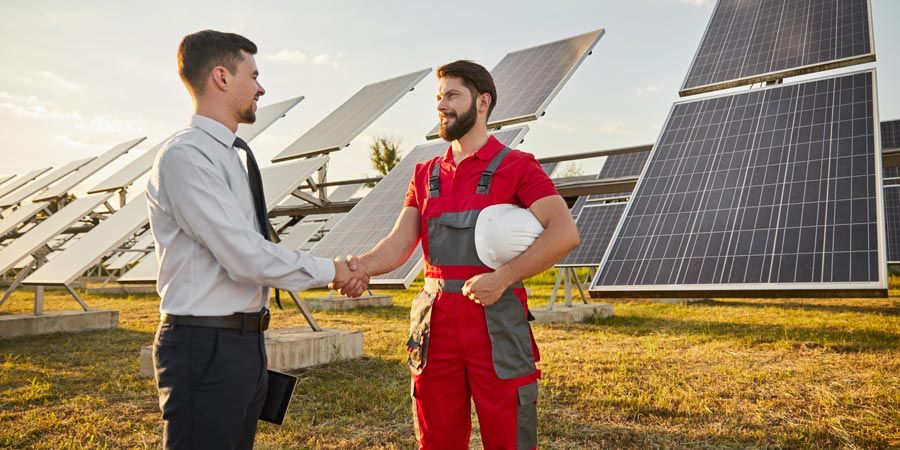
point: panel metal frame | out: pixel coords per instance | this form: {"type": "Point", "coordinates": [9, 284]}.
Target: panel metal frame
{"type": "Point", "coordinates": [777, 74]}
{"type": "Point", "coordinates": [862, 289]}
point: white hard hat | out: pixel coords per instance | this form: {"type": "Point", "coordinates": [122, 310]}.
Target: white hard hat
{"type": "Point", "coordinates": [503, 232]}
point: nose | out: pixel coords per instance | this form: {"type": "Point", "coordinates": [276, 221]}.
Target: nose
{"type": "Point", "coordinates": [442, 105]}
{"type": "Point", "coordinates": [261, 91]}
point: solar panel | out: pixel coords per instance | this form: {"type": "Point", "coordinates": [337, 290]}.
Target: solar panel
{"type": "Point", "coordinates": [892, 223]}
{"type": "Point", "coordinates": [48, 229]}
{"type": "Point", "coordinates": [10, 187]}
{"type": "Point", "coordinates": [5, 178]}
{"type": "Point", "coordinates": [265, 117]}
{"type": "Point", "coordinates": [775, 189]}
{"type": "Point", "coordinates": [890, 135]}
{"type": "Point", "coordinates": [122, 260]}
{"type": "Point", "coordinates": [340, 127]}
{"type": "Point", "coordinates": [619, 166]}
{"type": "Point", "coordinates": [20, 216]}
{"type": "Point", "coordinates": [280, 180]}
{"type": "Point", "coordinates": [299, 234]}
{"type": "Point", "coordinates": [549, 167]}
{"type": "Point", "coordinates": [123, 178]}
{"type": "Point", "coordinates": [41, 183]}
{"type": "Point", "coordinates": [144, 272]}
{"type": "Point", "coordinates": [579, 205]}
{"type": "Point", "coordinates": [90, 248]}
{"type": "Point", "coordinates": [528, 80]}
{"type": "Point", "coordinates": [340, 194]}
{"type": "Point", "coordinates": [63, 186]}
{"type": "Point", "coordinates": [372, 219]}
{"type": "Point", "coordinates": [754, 41]}
{"type": "Point", "coordinates": [596, 224]}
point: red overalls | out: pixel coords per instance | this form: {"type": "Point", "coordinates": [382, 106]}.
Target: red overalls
{"type": "Point", "coordinates": [458, 349]}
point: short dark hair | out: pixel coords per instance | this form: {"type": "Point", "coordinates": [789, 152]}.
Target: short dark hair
{"type": "Point", "coordinates": [474, 76]}
{"type": "Point", "coordinates": [200, 52]}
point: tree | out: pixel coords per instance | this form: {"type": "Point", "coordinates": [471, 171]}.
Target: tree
{"type": "Point", "coordinates": [572, 170]}
{"type": "Point", "coordinates": [385, 153]}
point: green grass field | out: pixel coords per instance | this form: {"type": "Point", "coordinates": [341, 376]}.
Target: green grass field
{"type": "Point", "coordinates": [736, 373]}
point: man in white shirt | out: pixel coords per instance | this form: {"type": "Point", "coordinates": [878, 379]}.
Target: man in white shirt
{"type": "Point", "coordinates": [208, 218]}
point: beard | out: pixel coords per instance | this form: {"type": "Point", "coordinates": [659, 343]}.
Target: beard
{"type": "Point", "coordinates": [247, 115]}
{"type": "Point", "coordinates": [460, 126]}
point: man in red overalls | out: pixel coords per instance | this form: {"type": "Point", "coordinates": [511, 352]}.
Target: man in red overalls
{"type": "Point", "coordinates": [469, 333]}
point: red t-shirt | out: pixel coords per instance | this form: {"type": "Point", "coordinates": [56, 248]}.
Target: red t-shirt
{"type": "Point", "coordinates": [519, 176]}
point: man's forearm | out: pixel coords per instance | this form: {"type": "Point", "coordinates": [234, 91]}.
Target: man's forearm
{"type": "Point", "coordinates": [386, 256]}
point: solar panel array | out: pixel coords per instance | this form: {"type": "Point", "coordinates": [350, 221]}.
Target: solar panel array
{"type": "Point", "coordinates": [753, 41]}
{"type": "Point", "coordinates": [36, 186]}
{"type": "Point", "coordinates": [372, 219]}
{"type": "Point", "coordinates": [776, 188]}
{"type": "Point", "coordinates": [596, 224]}
{"type": "Point", "coordinates": [13, 185]}
{"type": "Point", "coordinates": [527, 80]}
{"type": "Point", "coordinates": [66, 184]}
{"type": "Point", "coordinates": [340, 127]}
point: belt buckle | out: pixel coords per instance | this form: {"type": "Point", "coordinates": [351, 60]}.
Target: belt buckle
{"type": "Point", "coordinates": [264, 319]}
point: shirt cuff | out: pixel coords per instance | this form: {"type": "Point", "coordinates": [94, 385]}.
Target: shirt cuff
{"type": "Point", "coordinates": [325, 271]}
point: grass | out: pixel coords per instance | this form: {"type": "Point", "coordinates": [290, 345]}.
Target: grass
{"type": "Point", "coordinates": [735, 373]}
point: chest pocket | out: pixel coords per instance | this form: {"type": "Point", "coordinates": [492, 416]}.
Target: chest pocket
{"type": "Point", "coordinates": [451, 239]}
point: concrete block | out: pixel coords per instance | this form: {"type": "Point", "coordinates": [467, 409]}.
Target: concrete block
{"type": "Point", "coordinates": [677, 301]}
{"type": "Point", "coordinates": [15, 325]}
{"type": "Point", "coordinates": [123, 290]}
{"type": "Point", "coordinates": [572, 314]}
{"type": "Point", "coordinates": [345, 303]}
{"type": "Point", "coordinates": [295, 348]}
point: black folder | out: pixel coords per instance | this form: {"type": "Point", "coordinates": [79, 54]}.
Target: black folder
{"type": "Point", "coordinates": [278, 397]}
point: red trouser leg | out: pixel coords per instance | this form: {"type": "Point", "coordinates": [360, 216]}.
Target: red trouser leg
{"type": "Point", "coordinates": [459, 367]}
{"type": "Point", "coordinates": [441, 393]}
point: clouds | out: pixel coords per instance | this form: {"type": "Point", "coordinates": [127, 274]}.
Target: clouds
{"type": "Point", "coordinates": [649, 89]}
{"type": "Point", "coordinates": [300, 57]}
{"type": "Point", "coordinates": [43, 79]}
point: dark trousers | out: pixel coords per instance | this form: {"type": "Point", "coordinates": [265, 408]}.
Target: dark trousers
{"type": "Point", "coordinates": [212, 386]}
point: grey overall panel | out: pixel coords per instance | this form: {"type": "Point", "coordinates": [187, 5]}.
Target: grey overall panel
{"type": "Point", "coordinates": [527, 80]}
{"type": "Point", "coordinates": [41, 183]}
{"type": "Point", "coordinates": [596, 224]}
{"type": "Point", "coordinates": [775, 189]}
{"type": "Point", "coordinates": [340, 127]}
{"type": "Point", "coordinates": [13, 185]}
{"type": "Point", "coordinates": [373, 218]}
{"type": "Point", "coordinates": [90, 248]}
{"type": "Point", "coordinates": [754, 41]}
{"type": "Point", "coordinates": [48, 229]}
{"type": "Point", "coordinates": [66, 184]}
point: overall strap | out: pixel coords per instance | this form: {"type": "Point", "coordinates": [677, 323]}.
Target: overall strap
{"type": "Point", "coordinates": [434, 182]}
{"type": "Point", "coordinates": [484, 183]}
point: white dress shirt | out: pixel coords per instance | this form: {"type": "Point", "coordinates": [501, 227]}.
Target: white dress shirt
{"type": "Point", "coordinates": [213, 261]}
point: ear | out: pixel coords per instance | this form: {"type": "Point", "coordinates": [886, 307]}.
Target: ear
{"type": "Point", "coordinates": [484, 102]}
{"type": "Point", "coordinates": [219, 78]}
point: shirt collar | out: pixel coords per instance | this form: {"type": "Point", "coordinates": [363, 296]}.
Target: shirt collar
{"type": "Point", "coordinates": [485, 153]}
{"type": "Point", "coordinates": [215, 129]}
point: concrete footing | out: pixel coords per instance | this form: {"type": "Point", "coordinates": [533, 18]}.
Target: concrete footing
{"type": "Point", "coordinates": [295, 348]}
{"type": "Point", "coordinates": [15, 325]}
{"type": "Point", "coordinates": [345, 303]}
{"type": "Point", "coordinates": [572, 314]}
{"type": "Point", "coordinates": [129, 289]}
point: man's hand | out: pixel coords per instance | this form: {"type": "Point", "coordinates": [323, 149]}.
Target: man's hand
{"type": "Point", "coordinates": [350, 281]}
{"type": "Point", "coordinates": [359, 285]}
{"type": "Point", "coordinates": [486, 288]}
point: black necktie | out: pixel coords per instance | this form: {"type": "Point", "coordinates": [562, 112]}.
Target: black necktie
{"type": "Point", "coordinates": [259, 198]}
{"type": "Point", "coordinates": [256, 189]}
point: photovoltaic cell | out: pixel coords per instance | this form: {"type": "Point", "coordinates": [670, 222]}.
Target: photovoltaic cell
{"type": "Point", "coordinates": [753, 41]}
{"type": "Point", "coordinates": [528, 80]}
{"type": "Point", "coordinates": [596, 224]}
{"type": "Point", "coordinates": [892, 222]}
{"type": "Point", "coordinates": [772, 189]}
{"type": "Point", "coordinates": [340, 127]}
{"type": "Point", "coordinates": [372, 219]}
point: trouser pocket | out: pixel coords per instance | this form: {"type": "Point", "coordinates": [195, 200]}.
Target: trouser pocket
{"type": "Point", "coordinates": [510, 337]}
{"type": "Point", "coordinates": [419, 330]}
{"type": "Point", "coordinates": [526, 425]}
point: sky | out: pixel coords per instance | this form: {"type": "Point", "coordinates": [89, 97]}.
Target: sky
{"type": "Point", "coordinates": [81, 77]}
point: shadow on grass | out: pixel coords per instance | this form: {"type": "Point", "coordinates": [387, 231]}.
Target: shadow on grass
{"type": "Point", "coordinates": [842, 341]}
{"type": "Point", "coordinates": [893, 310]}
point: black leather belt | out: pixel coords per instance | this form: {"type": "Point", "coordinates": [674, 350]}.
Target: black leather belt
{"type": "Point", "coordinates": [252, 322]}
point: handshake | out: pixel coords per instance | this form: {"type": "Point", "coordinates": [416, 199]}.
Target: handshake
{"type": "Point", "coordinates": [350, 277]}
